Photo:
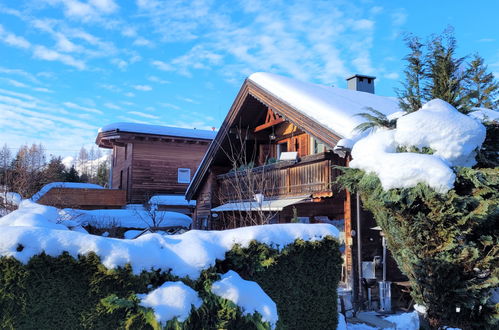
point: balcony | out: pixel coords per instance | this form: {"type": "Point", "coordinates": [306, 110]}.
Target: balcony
{"type": "Point", "coordinates": [311, 175]}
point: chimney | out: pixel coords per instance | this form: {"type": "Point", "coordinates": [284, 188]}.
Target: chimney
{"type": "Point", "coordinates": [361, 83]}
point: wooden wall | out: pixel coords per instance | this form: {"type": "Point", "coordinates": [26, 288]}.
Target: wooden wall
{"type": "Point", "coordinates": [154, 167]}
{"type": "Point", "coordinates": [86, 199]}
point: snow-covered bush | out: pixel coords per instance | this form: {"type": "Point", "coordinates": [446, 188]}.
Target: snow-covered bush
{"type": "Point", "coordinates": [441, 221]}
{"type": "Point", "coordinates": [52, 277]}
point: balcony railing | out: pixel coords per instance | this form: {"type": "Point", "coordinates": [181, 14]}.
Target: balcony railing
{"type": "Point", "coordinates": [312, 174]}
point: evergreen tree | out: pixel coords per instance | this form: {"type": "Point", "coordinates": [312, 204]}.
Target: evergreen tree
{"type": "Point", "coordinates": [444, 72]}
{"type": "Point", "coordinates": [72, 175]}
{"type": "Point", "coordinates": [410, 96]}
{"type": "Point", "coordinates": [103, 174]}
{"type": "Point", "coordinates": [55, 171]}
{"type": "Point", "coordinates": [481, 88]}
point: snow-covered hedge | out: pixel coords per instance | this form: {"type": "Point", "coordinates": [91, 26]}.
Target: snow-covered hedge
{"type": "Point", "coordinates": [54, 277]}
{"type": "Point", "coordinates": [439, 215]}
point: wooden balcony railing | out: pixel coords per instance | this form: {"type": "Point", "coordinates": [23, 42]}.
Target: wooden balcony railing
{"type": "Point", "coordinates": [312, 174]}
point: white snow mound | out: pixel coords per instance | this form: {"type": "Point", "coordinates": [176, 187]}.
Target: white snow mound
{"type": "Point", "coordinates": [453, 136]}
{"type": "Point", "coordinates": [35, 227]}
{"type": "Point", "coordinates": [171, 300]}
{"type": "Point", "coordinates": [248, 295]}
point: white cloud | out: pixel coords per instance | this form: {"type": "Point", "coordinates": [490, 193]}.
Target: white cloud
{"type": "Point", "coordinates": [121, 64]}
{"type": "Point", "coordinates": [169, 105]}
{"type": "Point", "coordinates": [142, 114]}
{"type": "Point", "coordinates": [44, 53]}
{"type": "Point", "coordinates": [162, 65]}
{"type": "Point", "coordinates": [399, 17]}
{"type": "Point", "coordinates": [16, 83]}
{"type": "Point", "coordinates": [13, 40]}
{"type": "Point", "coordinates": [79, 107]}
{"type": "Point", "coordinates": [158, 80]}
{"type": "Point", "coordinates": [143, 42]}
{"type": "Point", "coordinates": [392, 75]}
{"type": "Point", "coordinates": [112, 106]}
{"type": "Point", "coordinates": [129, 94]}
{"type": "Point", "coordinates": [188, 100]}
{"type": "Point", "coordinates": [144, 88]}
{"type": "Point", "coordinates": [129, 32]}
{"type": "Point", "coordinates": [19, 72]}
{"type": "Point", "coordinates": [43, 90]}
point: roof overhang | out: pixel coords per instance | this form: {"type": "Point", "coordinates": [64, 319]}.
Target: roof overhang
{"type": "Point", "coordinates": [279, 106]}
{"type": "Point", "coordinates": [274, 205]}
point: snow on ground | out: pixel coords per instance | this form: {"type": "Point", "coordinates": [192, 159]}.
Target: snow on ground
{"type": "Point", "coordinates": [174, 200]}
{"type": "Point", "coordinates": [335, 108]}
{"type": "Point", "coordinates": [407, 321]}
{"type": "Point", "coordinates": [160, 130]}
{"type": "Point", "coordinates": [248, 295]}
{"type": "Point", "coordinates": [11, 198]}
{"type": "Point", "coordinates": [73, 185]}
{"type": "Point", "coordinates": [35, 227]}
{"type": "Point", "coordinates": [127, 218]}
{"type": "Point", "coordinates": [171, 300]}
{"type": "Point", "coordinates": [131, 234]}
{"type": "Point", "coordinates": [452, 136]}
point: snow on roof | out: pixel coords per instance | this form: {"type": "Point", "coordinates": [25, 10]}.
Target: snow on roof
{"type": "Point", "coordinates": [452, 136]}
{"type": "Point", "coordinates": [72, 185]}
{"type": "Point", "coordinates": [335, 108]}
{"type": "Point", "coordinates": [248, 295]}
{"type": "Point", "coordinates": [35, 227]}
{"type": "Point", "coordinates": [127, 218]}
{"type": "Point", "coordinates": [171, 300]}
{"type": "Point", "coordinates": [160, 130]}
{"type": "Point", "coordinates": [171, 200]}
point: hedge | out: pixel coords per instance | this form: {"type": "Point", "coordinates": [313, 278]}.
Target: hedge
{"type": "Point", "coordinates": [67, 293]}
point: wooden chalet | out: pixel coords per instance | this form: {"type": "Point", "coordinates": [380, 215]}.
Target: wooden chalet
{"type": "Point", "coordinates": [150, 160]}
{"type": "Point", "coordinates": [295, 133]}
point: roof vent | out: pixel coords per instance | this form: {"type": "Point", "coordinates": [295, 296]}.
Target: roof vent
{"type": "Point", "coordinates": [361, 83]}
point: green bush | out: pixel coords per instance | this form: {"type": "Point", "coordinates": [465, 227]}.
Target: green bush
{"type": "Point", "coordinates": [447, 244]}
{"type": "Point", "coordinates": [301, 279]}
{"type": "Point", "coordinates": [68, 293]}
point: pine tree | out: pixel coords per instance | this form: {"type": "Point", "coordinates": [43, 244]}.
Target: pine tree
{"type": "Point", "coordinates": [103, 174]}
{"type": "Point", "coordinates": [72, 175]}
{"type": "Point", "coordinates": [410, 96]}
{"type": "Point", "coordinates": [445, 75]}
{"type": "Point", "coordinates": [481, 88]}
{"type": "Point", "coordinates": [55, 171]}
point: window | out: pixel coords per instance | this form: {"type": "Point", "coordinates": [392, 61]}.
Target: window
{"type": "Point", "coordinates": [318, 146]}
{"type": "Point", "coordinates": [281, 147]}
{"type": "Point", "coordinates": [184, 175]}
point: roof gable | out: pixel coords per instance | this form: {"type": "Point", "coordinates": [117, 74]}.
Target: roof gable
{"type": "Point", "coordinates": [326, 113]}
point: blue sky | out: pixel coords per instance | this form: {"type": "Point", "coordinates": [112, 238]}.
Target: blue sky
{"type": "Point", "coordinates": [68, 67]}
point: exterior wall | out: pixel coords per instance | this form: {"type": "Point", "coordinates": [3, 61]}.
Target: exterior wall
{"type": "Point", "coordinates": [204, 203]}
{"type": "Point", "coordinates": [154, 168]}
{"type": "Point", "coordinates": [121, 163]}
{"type": "Point", "coordinates": [86, 199]}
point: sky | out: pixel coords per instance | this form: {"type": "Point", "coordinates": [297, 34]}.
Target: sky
{"type": "Point", "coordinates": [68, 67]}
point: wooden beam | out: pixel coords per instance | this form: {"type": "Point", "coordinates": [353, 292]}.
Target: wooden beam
{"type": "Point", "coordinates": [269, 124]}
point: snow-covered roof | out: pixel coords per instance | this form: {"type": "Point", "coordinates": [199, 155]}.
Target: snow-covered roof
{"type": "Point", "coordinates": [335, 108]}
{"type": "Point", "coordinates": [171, 200]}
{"type": "Point", "coordinates": [72, 185]}
{"type": "Point", "coordinates": [159, 130]}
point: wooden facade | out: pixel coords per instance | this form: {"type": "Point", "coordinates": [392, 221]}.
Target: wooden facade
{"type": "Point", "coordinates": [145, 165]}
{"type": "Point", "coordinates": [83, 198]}
{"type": "Point", "coordinates": [272, 126]}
